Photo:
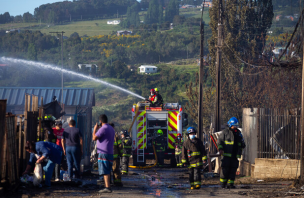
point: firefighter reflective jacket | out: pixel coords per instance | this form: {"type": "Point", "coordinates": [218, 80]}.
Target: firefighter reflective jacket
{"type": "Point", "coordinates": [178, 144]}
{"type": "Point", "coordinates": [232, 144]}
{"type": "Point", "coordinates": [159, 100]}
{"type": "Point", "coordinates": [117, 146]}
{"type": "Point", "coordinates": [160, 144]}
{"type": "Point", "coordinates": [126, 147]}
{"type": "Point", "coordinates": [193, 153]}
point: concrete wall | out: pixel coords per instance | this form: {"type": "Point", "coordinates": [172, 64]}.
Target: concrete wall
{"type": "Point", "coordinates": [250, 133]}
{"type": "Point", "coordinates": [276, 168]}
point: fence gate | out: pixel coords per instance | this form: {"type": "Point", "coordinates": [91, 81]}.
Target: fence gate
{"type": "Point", "coordinates": [279, 133]}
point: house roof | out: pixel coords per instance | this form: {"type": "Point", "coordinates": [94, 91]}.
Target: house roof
{"type": "Point", "coordinates": [147, 66]}
{"type": "Point", "coordinates": [71, 96]}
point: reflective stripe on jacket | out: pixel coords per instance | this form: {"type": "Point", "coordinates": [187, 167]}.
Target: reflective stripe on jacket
{"type": "Point", "coordinates": [193, 153]}
{"type": "Point", "coordinates": [117, 145]}
{"type": "Point", "coordinates": [226, 142]}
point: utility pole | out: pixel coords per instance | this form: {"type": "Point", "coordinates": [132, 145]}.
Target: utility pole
{"type": "Point", "coordinates": [302, 116]}
{"type": "Point", "coordinates": [201, 80]}
{"type": "Point", "coordinates": [70, 17]}
{"type": "Point", "coordinates": [217, 126]}
{"type": "Point", "coordinates": [61, 65]}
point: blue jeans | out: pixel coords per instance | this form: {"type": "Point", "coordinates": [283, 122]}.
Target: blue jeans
{"type": "Point", "coordinates": [48, 172]}
{"type": "Point", "coordinates": [73, 156]}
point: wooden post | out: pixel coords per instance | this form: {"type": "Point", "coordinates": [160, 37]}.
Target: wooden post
{"type": "Point", "coordinates": [20, 147]}
{"type": "Point", "coordinates": [218, 70]}
{"type": "Point", "coordinates": [302, 122]}
{"type": "Point", "coordinates": [26, 106]}
{"type": "Point", "coordinates": [201, 82]}
{"type": "Point", "coordinates": [2, 132]}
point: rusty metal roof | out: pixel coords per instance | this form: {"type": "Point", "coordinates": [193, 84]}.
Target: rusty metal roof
{"type": "Point", "coordinates": [71, 96]}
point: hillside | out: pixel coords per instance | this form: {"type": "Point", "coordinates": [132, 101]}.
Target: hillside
{"type": "Point", "coordinates": [90, 27]}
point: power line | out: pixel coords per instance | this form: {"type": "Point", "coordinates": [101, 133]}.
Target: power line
{"type": "Point", "coordinates": [242, 73]}
{"type": "Point", "coordinates": [242, 59]}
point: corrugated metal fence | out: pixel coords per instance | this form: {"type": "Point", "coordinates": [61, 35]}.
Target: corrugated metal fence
{"type": "Point", "coordinates": [279, 133]}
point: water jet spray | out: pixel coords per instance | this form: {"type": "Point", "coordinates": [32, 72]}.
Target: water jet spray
{"type": "Point", "coordinates": [55, 68]}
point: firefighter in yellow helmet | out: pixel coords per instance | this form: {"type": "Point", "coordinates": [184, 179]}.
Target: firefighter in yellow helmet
{"type": "Point", "coordinates": [160, 100]}
{"type": "Point", "coordinates": [160, 145]}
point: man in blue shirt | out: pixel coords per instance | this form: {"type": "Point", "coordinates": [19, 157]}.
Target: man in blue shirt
{"type": "Point", "coordinates": [46, 153]}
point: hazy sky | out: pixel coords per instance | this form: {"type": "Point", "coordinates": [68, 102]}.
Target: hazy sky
{"type": "Point", "coordinates": [16, 7]}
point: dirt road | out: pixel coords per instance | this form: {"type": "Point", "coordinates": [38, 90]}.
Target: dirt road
{"type": "Point", "coordinates": [157, 182]}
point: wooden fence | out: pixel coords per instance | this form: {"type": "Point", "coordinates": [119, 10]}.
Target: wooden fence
{"type": "Point", "coordinates": [15, 130]}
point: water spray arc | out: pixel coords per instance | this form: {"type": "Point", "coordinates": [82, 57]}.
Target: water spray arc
{"type": "Point", "coordinates": [55, 68]}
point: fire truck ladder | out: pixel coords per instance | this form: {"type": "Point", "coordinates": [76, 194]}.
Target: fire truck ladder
{"type": "Point", "coordinates": [141, 140]}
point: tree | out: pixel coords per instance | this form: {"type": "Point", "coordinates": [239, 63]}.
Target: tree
{"type": "Point", "coordinates": [153, 13]}
{"type": "Point", "coordinates": [132, 16]}
{"type": "Point", "coordinates": [27, 17]}
{"type": "Point", "coordinates": [171, 10]}
{"type": "Point", "coordinates": [245, 26]}
{"type": "Point", "coordinates": [31, 52]}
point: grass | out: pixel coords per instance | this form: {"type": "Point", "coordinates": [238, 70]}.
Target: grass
{"type": "Point", "coordinates": [93, 27]}
{"type": "Point", "coordinates": [89, 28]}
{"type": "Point", "coordinates": [196, 13]}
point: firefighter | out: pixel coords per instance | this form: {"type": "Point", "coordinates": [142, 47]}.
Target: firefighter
{"type": "Point", "coordinates": [116, 161]}
{"type": "Point", "coordinates": [230, 144]}
{"type": "Point", "coordinates": [160, 144]}
{"type": "Point", "coordinates": [126, 150]}
{"type": "Point", "coordinates": [193, 155]}
{"type": "Point", "coordinates": [178, 144]}
{"type": "Point", "coordinates": [160, 100]}
{"type": "Point", "coordinates": [153, 98]}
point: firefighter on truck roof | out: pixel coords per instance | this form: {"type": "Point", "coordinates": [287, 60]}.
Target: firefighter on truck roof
{"type": "Point", "coordinates": [160, 100]}
{"type": "Point", "coordinates": [153, 99]}
{"type": "Point", "coordinates": [178, 145]}
{"type": "Point", "coordinates": [230, 144]}
{"type": "Point", "coordinates": [193, 155]}
{"type": "Point", "coordinates": [126, 150]}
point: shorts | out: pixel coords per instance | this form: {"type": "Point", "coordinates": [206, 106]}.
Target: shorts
{"type": "Point", "coordinates": [105, 162]}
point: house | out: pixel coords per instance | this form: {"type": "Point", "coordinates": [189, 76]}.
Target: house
{"type": "Point", "coordinates": [187, 6]}
{"type": "Point", "coordinates": [123, 32]}
{"type": "Point", "coordinates": [147, 69]}
{"type": "Point", "coordinates": [89, 68]}
{"type": "Point", "coordinates": [114, 22]}
{"type": "Point", "coordinates": [207, 4]}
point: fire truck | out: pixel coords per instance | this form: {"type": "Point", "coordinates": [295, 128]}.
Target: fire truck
{"type": "Point", "coordinates": [146, 121]}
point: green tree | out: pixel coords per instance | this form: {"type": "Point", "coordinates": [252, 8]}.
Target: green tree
{"type": "Point", "coordinates": [153, 13]}
{"type": "Point", "coordinates": [132, 16]}
{"type": "Point", "coordinates": [245, 26]}
{"type": "Point", "coordinates": [171, 10]}
{"type": "Point", "coordinates": [31, 52]}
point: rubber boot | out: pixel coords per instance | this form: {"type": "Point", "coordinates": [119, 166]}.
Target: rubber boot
{"type": "Point", "coordinates": [231, 186]}
{"type": "Point", "coordinates": [223, 185]}
{"type": "Point", "coordinates": [197, 186]}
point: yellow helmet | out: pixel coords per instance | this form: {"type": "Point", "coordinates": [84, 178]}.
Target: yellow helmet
{"type": "Point", "coordinates": [156, 89]}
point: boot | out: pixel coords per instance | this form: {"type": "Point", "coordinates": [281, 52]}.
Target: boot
{"type": "Point", "coordinates": [197, 186]}
{"type": "Point", "coordinates": [192, 187]}
{"type": "Point", "coordinates": [223, 185]}
{"type": "Point", "coordinates": [231, 186]}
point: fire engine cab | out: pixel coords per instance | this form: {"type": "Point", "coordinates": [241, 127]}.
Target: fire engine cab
{"type": "Point", "coordinates": [146, 121]}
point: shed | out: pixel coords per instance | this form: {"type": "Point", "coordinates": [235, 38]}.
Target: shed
{"type": "Point", "coordinates": [148, 69]}
{"type": "Point", "coordinates": [78, 103]}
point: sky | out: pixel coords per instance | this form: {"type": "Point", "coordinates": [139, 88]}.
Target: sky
{"type": "Point", "coordinates": [19, 7]}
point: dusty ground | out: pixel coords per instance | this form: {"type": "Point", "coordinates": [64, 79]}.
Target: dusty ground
{"type": "Point", "coordinates": [161, 182]}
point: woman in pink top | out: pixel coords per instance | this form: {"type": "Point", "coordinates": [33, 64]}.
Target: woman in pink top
{"type": "Point", "coordinates": [58, 132]}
